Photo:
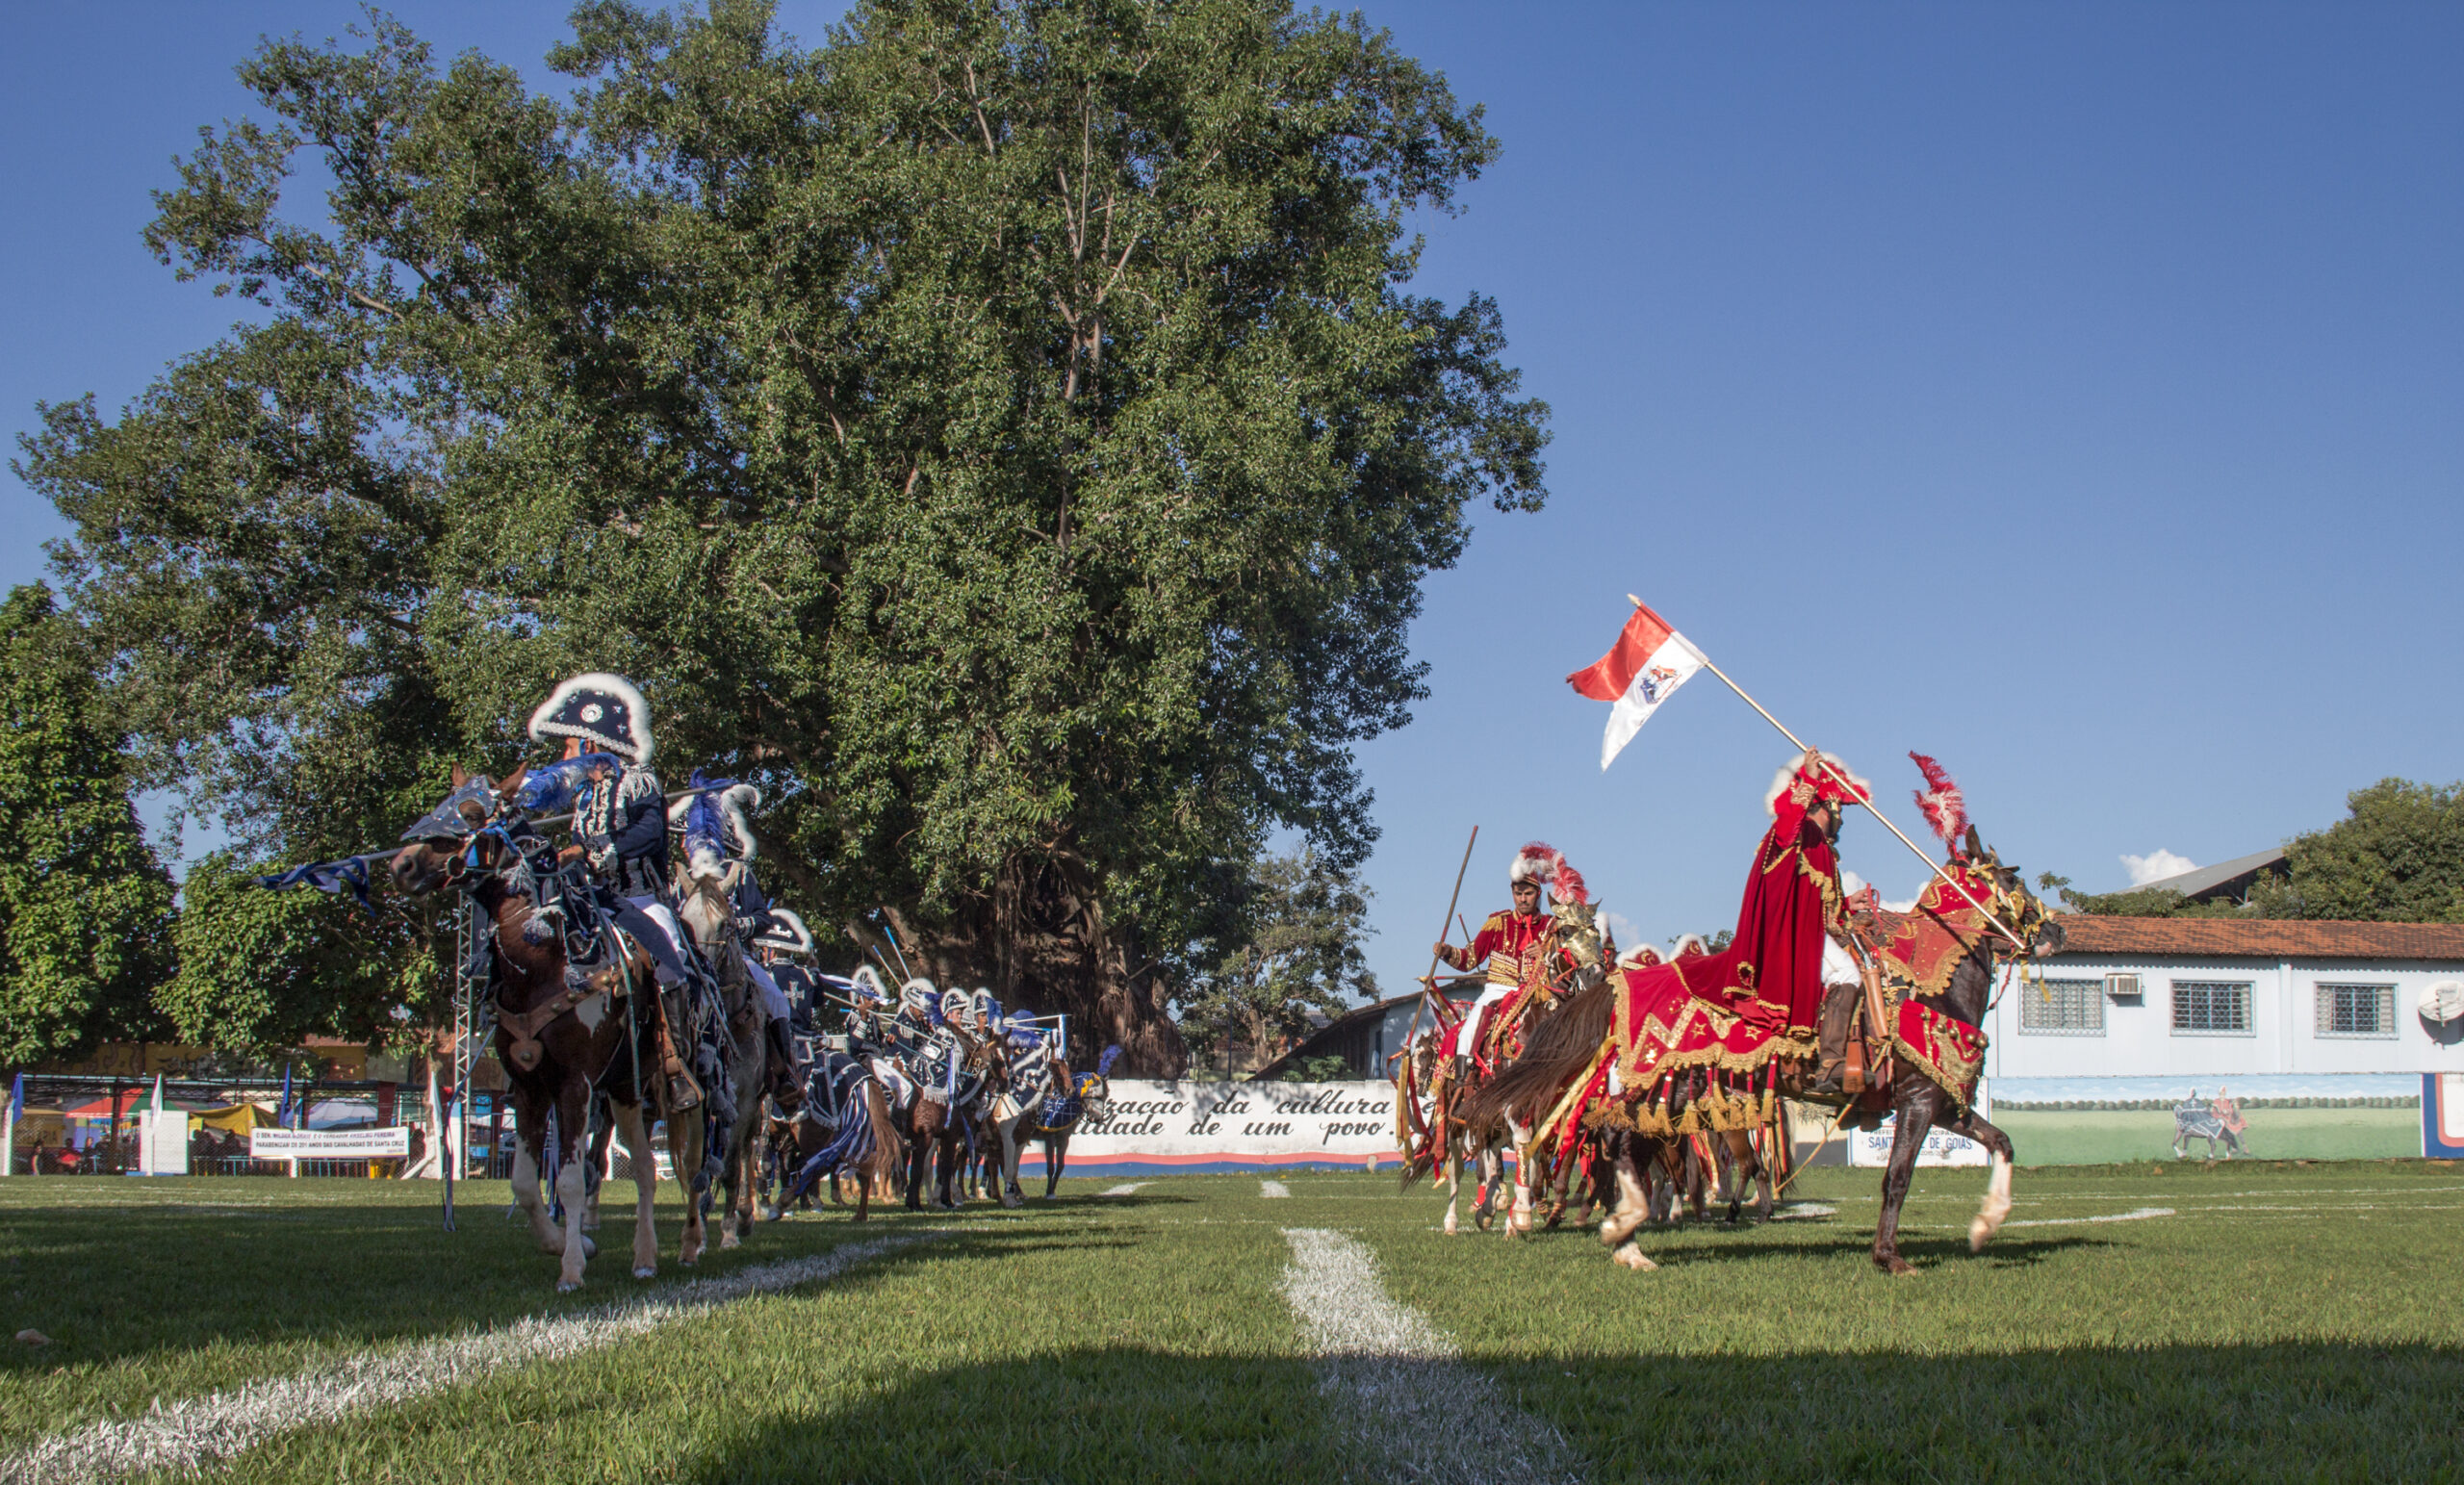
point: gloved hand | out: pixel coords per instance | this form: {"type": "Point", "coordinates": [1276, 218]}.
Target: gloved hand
{"type": "Point", "coordinates": [603, 859]}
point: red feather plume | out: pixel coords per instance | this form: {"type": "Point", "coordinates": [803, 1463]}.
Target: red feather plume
{"type": "Point", "coordinates": [1944, 807]}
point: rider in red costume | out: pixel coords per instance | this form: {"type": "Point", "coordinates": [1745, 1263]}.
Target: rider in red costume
{"type": "Point", "coordinates": [1770, 975]}
{"type": "Point", "coordinates": [1510, 943]}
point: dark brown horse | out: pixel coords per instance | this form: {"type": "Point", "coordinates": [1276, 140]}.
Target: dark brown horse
{"type": "Point", "coordinates": [560, 1037]}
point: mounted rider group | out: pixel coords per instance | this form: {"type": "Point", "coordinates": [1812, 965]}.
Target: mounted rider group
{"type": "Point", "coordinates": [639, 973]}
{"type": "Point", "coordinates": [1637, 1075]}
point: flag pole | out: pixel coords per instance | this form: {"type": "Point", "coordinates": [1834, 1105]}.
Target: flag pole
{"type": "Point", "coordinates": [1428, 982]}
{"type": "Point", "coordinates": [1917, 851]}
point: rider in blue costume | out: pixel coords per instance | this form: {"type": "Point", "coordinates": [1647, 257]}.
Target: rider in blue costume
{"type": "Point", "coordinates": [620, 819]}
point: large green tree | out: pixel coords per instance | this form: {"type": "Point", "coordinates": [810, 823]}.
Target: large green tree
{"type": "Point", "coordinates": [2397, 858]}
{"type": "Point", "coordinates": [84, 907]}
{"type": "Point", "coordinates": [1003, 431]}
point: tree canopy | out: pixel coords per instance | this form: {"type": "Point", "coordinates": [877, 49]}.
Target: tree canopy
{"type": "Point", "coordinates": [1298, 950]}
{"type": "Point", "coordinates": [1004, 432]}
{"type": "Point", "coordinates": [84, 907]}
{"type": "Point", "coordinates": [2397, 858]}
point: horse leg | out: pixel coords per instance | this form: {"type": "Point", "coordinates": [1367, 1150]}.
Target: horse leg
{"type": "Point", "coordinates": [573, 1176]}
{"type": "Point", "coordinates": [1011, 1196]}
{"type": "Point", "coordinates": [635, 1131]}
{"type": "Point", "coordinates": [685, 1137]}
{"type": "Point", "coordinates": [1745, 1165]}
{"type": "Point", "coordinates": [1912, 1119]}
{"type": "Point", "coordinates": [529, 1146]}
{"type": "Point", "coordinates": [1454, 1161]}
{"type": "Point", "coordinates": [1634, 1204]}
{"type": "Point", "coordinates": [1055, 1154]}
{"type": "Point", "coordinates": [1518, 1222]}
{"type": "Point", "coordinates": [1999, 1157]}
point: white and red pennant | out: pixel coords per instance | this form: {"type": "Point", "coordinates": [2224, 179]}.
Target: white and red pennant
{"type": "Point", "coordinates": [1643, 669]}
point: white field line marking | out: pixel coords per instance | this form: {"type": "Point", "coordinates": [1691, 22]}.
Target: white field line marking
{"type": "Point", "coordinates": [1802, 1210]}
{"type": "Point", "coordinates": [2142, 1215]}
{"type": "Point", "coordinates": [1124, 1189]}
{"type": "Point", "coordinates": [1416, 1412]}
{"type": "Point", "coordinates": [201, 1431]}
{"type": "Point", "coordinates": [1274, 1189]}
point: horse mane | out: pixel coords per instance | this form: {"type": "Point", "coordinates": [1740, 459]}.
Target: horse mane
{"type": "Point", "coordinates": [1559, 1048]}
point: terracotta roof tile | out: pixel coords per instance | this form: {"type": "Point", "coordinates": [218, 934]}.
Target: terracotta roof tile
{"type": "Point", "coordinates": [2262, 939]}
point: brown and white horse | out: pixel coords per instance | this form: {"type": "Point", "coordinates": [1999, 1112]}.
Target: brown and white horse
{"type": "Point", "coordinates": [560, 1037]}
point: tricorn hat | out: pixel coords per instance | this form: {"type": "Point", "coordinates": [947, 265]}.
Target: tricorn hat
{"type": "Point", "coordinates": [784, 929]}
{"type": "Point", "coordinates": [604, 710]}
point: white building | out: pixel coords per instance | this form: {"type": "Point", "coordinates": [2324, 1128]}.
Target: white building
{"type": "Point", "coordinates": [2210, 998]}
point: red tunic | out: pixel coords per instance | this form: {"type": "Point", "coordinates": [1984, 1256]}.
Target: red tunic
{"type": "Point", "coordinates": [1770, 975]}
{"type": "Point", "coordinates": [1510, 943]}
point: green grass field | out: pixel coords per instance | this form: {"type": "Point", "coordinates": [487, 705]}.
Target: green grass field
{"type": "Point", "coordinates": [2282, 1323]}
{"type": "Point", "coordinates": [2097, 1137]}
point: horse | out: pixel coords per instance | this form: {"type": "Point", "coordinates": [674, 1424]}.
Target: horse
{"type": "Point", "coordinates": [844, 1126]}
{"type": "Point", "coordinates": [1916, 1101]}
{"type": "Point", "coordinates": [564, 1031]}
{"type": "Point", "coordinates": [704, 891]}
{"type": "Point", "coordinates": [1047, 1105]}
{"type": "Point", "coordinates": [2198, 1118]}
{"type": "Point", "coordinates": [1461, 1126]}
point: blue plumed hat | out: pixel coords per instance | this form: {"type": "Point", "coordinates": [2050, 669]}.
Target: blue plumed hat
{"type": "Point", "coordinates": [605, 711]}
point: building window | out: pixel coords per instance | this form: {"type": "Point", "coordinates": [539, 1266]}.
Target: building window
{"type": "Point", "coordinates": [2210, 1007]}
{"type": "Point", "coordinates": [2064, 1008]}
{"type": "Point", "coordinates": [2357, 1010]}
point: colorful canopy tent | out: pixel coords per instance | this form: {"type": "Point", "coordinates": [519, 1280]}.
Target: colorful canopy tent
{"type": "Point", "coordinates": [231, 1118]}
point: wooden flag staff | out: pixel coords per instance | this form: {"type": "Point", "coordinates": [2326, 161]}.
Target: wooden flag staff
{"type": "Point", "coordinates": [1919, 851]}
{"type": "Point", "coordinates": [1428, 982]}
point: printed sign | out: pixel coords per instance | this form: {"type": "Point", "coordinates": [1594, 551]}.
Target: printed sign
{"type": "Point", "coordinates": [2443, 1115]}
{"type": "Point", "coordinates": [393, 1143]}
{"type": "Point", "coordinates": [1872, 1146]}
{"type": "Point", "coordinates": [1160, 1128]}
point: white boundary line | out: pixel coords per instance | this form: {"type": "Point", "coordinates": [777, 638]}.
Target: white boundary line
{"type": "Point", "coordinates": [1274, 1189]}
{"type": "Point", "coordinates": [1397, 1384]}
{"type": "Point", "coordinates": [2140, 1216]}
{"type": "Point", "coordinates": [209, 1429]}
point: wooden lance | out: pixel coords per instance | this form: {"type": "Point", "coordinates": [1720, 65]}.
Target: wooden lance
{"type": "Point", "coordinates": [1913, 849]}
{"type": "Point", "coordinates": [1428, 982]}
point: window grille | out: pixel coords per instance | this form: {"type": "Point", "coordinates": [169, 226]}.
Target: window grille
{"type": "Point", "coordinates": [2211, 1008]}
{"type": "Point", "coordinates": [2063, 1007]}
{"type": "Point", "coordinates": [2357, 1010]}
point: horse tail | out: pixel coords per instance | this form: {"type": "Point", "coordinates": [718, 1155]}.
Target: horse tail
{"type": "Point", "coordinates": [1561, 1048]}
{"type": "Point", "coordinates": [882, 1165]}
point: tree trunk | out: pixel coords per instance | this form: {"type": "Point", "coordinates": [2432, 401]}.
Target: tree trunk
{"type": "Point", "coordinates": [1041, 943]}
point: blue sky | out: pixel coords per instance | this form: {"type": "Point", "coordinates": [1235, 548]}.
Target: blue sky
{"type": "Point", "coordinates": [2075, 393]}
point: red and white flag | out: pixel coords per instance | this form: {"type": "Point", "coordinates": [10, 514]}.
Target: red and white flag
{"type": "Point", "coordinates": [1649, 662]}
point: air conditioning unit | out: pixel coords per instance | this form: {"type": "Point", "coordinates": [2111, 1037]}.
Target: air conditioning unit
{"type": "Point", "coordinates": [2122, 986]}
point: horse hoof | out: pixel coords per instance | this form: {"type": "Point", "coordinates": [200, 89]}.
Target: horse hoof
{"type": "Point", "coordinates": [1449, 1225]}
{"type": "Point", "coordinates": [566, 1285]}
{"type": "Point", "coordinates": [729, 1241]}
{"type": "Point", "coordinates": [1632, 1257]}
{"type": "Point", "coordinates": [589, 1248]}
{"type": "Point", "coordinates": [1897, 1267]}
{"type": "Point", "coordinates": [648, 1271]}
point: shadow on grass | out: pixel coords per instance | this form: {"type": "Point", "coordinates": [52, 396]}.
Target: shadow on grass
{"type": "Point", "coordinates": [2165, 1413]}
{"type": "Point", "coordinates": [110, 1283]}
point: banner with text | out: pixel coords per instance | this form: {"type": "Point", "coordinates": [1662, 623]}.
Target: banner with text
{"type": "Point", "coordinates": [1156, 1128]}
{"type": "Point", "coordinates": [393, 1143]}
